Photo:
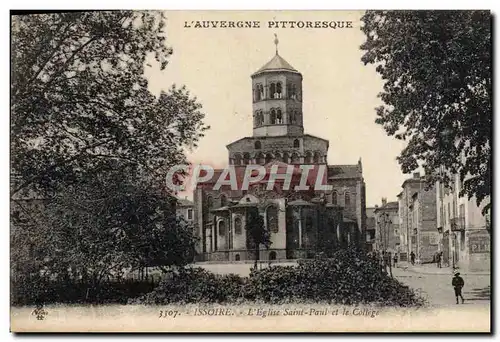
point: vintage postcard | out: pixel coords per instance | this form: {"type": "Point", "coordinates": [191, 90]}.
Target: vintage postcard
{"type": "Point", "coordinates": [251, 171]}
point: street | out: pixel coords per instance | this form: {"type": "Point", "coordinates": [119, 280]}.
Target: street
{"type": "Point", "coordinates": [437, 289]}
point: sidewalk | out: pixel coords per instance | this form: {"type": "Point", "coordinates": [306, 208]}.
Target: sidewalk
{"type": "Point", "coordinates": [433, 269]}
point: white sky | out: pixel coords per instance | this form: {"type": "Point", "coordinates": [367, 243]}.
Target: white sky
{"type": "Point", "coordinates": [340, 93]}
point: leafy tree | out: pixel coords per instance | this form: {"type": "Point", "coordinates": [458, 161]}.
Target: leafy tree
{"type": "Point", "coordinates": [437, 93]}
{"type": "Point", "coordinates": [80, 100]}
{"type": "Point", "coordinates": [92, 144]}
{"type": "Point", "coordinates": [257, 234]}
{"type": "Point", "coordinates": [98, 227]}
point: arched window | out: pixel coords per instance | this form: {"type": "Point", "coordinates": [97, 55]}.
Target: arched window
{"type": "Point", "coordinates": [259, 118]}
{"type": "Point", "coordinates": [296, 143]}
{"type": "Point", "coordinates": [237, 257]}
{"type": "Point", "coordinates": [210, 202]}
{"type": "Point", "coordinates": [286, 158]}
{"type": "Point", "coordinates": [222, 228]}
{"type": "Point", "coordinates": [246, 158]}
{"type": "Point", "coordinates": [334, 198]}
{"type": "Point", "coordinates": [223, 200]}
{"type": "Point", "coordinates": [277, 156]}
{"type": "Point", "coordinates": [272, 255]}
{"type": "Point", "coordinates": [237, 159]}
{"type": "Point", "coordinates": [256, 94]}
{"type": "Point", "coordinates": [237, 225]}
{"type": "Point", "coordinates": [273, 116]}
{"type": "Point", "coordinates": [295, 158]}
{"type": "Point", "coordinates": [279, 116]}
{"type": "Point", "coordinates": [257, 145]}
{"type": "Point", "coordinates": [317, 157]}
{"type": "Point", "coordinates": [308, 159]}
{"type": "Point", "coordinates": [294, 92]}
{"type": "Point", "coordinates": [272, 90]}
{"type": "Point", "coordinates": [259, 159]}
{"type": "Point", "coordinates": [279, 91]}
{"type": "Point", "coordinates": [259, 92]}
{"type": "Point", "coordinates": [269, 158]}
{"type": "Point", "coordinates": [272, 219]}
{"type": "Point", "coordinates": [347, 199]}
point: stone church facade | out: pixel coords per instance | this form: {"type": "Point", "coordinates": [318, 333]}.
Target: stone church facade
{"type": "Point", "coordinates": [301, 224]}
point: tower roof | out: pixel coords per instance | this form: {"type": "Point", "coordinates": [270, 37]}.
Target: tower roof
{"type": "Point", "coordinates": [277, 63]}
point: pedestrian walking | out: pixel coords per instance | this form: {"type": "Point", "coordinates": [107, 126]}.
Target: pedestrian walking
{"type": "Point", "coordinates": [458, 283]}
{"type": "Point", "coordinates": [412, 258]}
{"type": "Point", "coordinates": [438, 259]}
{"type": "Point", "coordinates": [395, 259]}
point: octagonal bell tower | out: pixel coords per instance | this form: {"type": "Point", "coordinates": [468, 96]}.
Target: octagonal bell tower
{"type": "Point", "coordinates": [277, 99]}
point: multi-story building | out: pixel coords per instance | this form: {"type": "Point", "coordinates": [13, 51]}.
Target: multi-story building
{"type": "Point", "coordinates": [387, 228]}
{"type": "Point", "coordinates": [370, 229]}
{"type": "Point", "coordinates": [464, 230]}
{"type": "Point", "coordinates": [418, 219]}
{"type": "Point", "coordinates": [403, 234]}
{"type": "Point", "coordinates": [300, 223]}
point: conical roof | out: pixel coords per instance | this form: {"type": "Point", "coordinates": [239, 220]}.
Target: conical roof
{"type": "Point", "coordinates": [277, 63]}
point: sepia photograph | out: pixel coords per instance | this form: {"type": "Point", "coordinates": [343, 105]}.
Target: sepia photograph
{"type": "Point", "coordinates": [251, 171]}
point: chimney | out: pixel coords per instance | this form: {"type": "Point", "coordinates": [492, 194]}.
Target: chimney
{"type": "Point", "coordinates": [416, 175]}
{"type": "Point", "coordinates": [384, 201]}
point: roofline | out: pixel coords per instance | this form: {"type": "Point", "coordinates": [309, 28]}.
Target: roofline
{"type": "Point", "coordinates": [386, 208]}
{"type": "Point", "coordinates": [313, 136]}
{"type": "Point", "coordinates": [281, 136]}
{"type": "Point", "coordinates": [412, 180]}
{"type": "Point", "coordinates": [234, 142]}
{"type": "Point", "coordinates": [274, 71]}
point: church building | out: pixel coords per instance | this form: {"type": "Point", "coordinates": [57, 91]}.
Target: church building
{"type": "Point", "coordinates": [300, 224]}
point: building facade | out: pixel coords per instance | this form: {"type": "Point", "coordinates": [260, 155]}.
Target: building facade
{"type": "Point", "coordinates": [464, 232]}
{"type": "Point", "coordinates": [403, 234]}
{"type": "Point", "coordinates": [418, 217]}
{"type": "Point", "coordinates": [387, 227]}
{"type": "Point", "coordinates": [301, 223]}
{"type": "Point", "coordinates": [370, 229]}
{"type": "Point", "coordinates": [184, 209]}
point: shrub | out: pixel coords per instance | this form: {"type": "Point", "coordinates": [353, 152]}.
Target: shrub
{"type": "Point", "coordinates": [347, 278]}
{"type": "Point", "coordinates": [194, 285]}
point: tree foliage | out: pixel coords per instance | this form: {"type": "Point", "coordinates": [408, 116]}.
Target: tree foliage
{"type": "Point", "coordinates": [100, 226]}
{"type": "Point", "coordinates": [80, 100]}
{"type": "Point", "coordinates": [91, 145]}
{"type": "Point", "coordinates": [257, 233]}
{"type": "Point", "coordinates": [436, 66]}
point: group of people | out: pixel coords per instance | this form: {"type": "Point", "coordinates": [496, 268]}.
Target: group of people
{"type": "Point", "coordinates": [438, 257]}
{"type": "Point", "coordinates": [385, 259]}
